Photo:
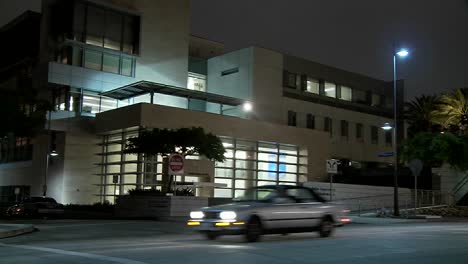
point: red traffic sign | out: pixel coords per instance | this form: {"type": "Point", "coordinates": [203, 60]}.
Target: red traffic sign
{"type": "Point", "coordinates": [176, 164]}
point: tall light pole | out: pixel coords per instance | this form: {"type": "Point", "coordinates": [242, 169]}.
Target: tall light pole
{"type": "Point", "coordinates": [401, 53]}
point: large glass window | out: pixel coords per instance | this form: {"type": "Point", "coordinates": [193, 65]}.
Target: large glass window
{"type": "Point", "coordinates": [103, 27]}
{"type": "Point", "coordinates": [313, 86]}
{"type": "Point", "coordinates": [330, 89]}
{"type": "Point", "coordinates": [96, 59]}
{"type": "Point", "coordinates": [251, 164]}
{"type": "Point", "coordinates": [346, 93]}
{"type": "Point", "coordinates": [111, 63]}
{"type": "Point", "coordinates": [93, 60]}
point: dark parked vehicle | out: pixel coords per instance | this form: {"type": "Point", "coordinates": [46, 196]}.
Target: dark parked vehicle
{"type": "Point", "coordinates": [36, 206]}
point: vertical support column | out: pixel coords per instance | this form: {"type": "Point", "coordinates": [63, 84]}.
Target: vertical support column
{"type": "Point", "coordinates": [122, 165]}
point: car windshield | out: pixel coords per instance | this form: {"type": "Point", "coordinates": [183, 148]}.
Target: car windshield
{"type": "Point", "coordinates": [257, 194]}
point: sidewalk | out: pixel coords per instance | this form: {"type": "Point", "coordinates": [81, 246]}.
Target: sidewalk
{"type": "Point", "coordinates": [10, 230]}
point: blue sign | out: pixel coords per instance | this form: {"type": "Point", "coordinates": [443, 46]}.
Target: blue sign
{"type": "Point", "coordinates": [385, 154]}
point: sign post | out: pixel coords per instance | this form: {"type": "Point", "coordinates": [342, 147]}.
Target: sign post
{"type": "Point", "coordinates": [415, 166]}
{"type": "Point", "coordinates": [176, 167]}
{"type": "Point", "coordinates": [332, 168]}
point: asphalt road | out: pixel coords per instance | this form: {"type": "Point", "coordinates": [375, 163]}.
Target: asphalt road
{"type": "Point", "coordinates": [138, 242]}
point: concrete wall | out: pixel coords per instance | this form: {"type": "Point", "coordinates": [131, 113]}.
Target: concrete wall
{"type": "Point", "coordinates": [147, 115]}
{"type": "Point", "coordinates": [450, 178]}
{"type": "Point", "coordinates": [362, 197]}
{"type": "Point", "coordinates": [270, 105]}
{"type": "Point", "coordinates": [80, 169]}
{"type": "Point", "coordinates": [238, 84]}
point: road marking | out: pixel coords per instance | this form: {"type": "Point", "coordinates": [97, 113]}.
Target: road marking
{"type": "Point", "coordinates": [77, 254]}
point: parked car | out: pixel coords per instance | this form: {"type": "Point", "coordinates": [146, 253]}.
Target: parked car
{"type": "Point", "coordinates": [36, 206]}
{"type": "Point", "coordinates": [278, 209]}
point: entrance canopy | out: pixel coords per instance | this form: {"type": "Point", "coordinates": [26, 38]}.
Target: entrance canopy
{"type": "Point", "coordinates": [145, 87]}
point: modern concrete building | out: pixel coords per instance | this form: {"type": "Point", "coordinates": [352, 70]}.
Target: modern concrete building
{"type": "Point", "coordinates": [115, 67]}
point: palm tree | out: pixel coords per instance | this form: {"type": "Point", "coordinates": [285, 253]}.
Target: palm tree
{"type": "Point", "coordinates": [452, 111]}
{"type": "Point", "coordinates": [419, 113]}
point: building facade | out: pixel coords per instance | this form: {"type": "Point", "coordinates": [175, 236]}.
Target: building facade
{"type": "Point", "coordinates": [115, 67]}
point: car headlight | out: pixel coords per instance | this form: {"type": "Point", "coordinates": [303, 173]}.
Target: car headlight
{"type": "Point", "coordinates": [227, 215]}
{"type": "Point", "coordinates": [196, 215]}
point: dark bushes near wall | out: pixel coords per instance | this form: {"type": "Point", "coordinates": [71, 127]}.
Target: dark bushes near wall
{"type": "Point", "coordinates": [89, 211]}
{"type": "Point", "coordinates": [155, 192]}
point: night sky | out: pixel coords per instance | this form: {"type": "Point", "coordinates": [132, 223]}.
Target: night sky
{"type": "Point", "coordinates": [352, 35]}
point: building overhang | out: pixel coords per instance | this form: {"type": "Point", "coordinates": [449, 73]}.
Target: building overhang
{"type": "Point", "coordinates": [146, 87]}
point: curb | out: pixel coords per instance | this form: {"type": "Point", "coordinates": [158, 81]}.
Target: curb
{"type": "Point", "coordinates": [16, 232]}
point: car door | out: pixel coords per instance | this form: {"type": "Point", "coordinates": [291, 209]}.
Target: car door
{"type": "Point", "coordinates": [281, 213]}
{"type": "Point", "coordinates": [308, 210]}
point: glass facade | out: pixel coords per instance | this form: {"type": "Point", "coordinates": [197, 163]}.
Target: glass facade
{"type": "Point", "coordinates": [97, 59]}
{"type": "Point", "coordinates": [247, 164]}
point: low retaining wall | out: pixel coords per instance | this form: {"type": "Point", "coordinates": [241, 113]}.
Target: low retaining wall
{"type": "Point", "coordinates": [362, 197]}
{"type": "Point", "coordinates": [146, 206]}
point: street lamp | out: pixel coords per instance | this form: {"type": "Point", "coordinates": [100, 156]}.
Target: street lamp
{"type": "Point", "coordinates": [246, 107]}
{"type": "Point", "coordinates": [387, 126]}
{"type": "Point", "coordinates": [401, 53]}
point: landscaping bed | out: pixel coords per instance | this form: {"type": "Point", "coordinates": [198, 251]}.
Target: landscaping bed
{"type": "Point", "coordinates": [455, 211]}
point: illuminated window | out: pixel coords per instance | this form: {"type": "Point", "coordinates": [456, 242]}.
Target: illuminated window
{"type": "Point", "coordinates": [346, 93]}
{"type": "Point", "coordinates": [313, 86]}
{"type": "Point", "coordinates": [330, 89]}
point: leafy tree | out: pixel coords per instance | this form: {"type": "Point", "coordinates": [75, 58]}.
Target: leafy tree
{"type": "Point", "coordinates": [436, 148]}
{"type": "Point", "coordinates": [185, 141]}
{"type": "Point", "coordinates": [452, 111]}
{"type": "Point", "coordinates": [419, 113]}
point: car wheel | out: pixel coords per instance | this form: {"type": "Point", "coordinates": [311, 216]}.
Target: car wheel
{"type": "Point", "coordinates": [253, 230]}
{"type": "Point", "coordinates": [211, 236]}
{"type": "Point", "coordinates": [326, 227]}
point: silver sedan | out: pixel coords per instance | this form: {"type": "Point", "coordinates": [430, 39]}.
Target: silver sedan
{"type": "Point", "coordinates": [278, 209]}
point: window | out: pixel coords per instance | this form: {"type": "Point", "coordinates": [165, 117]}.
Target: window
{"type": "Point", "coordinates": [330, 89]}
{"type": "Point", "coordinates": [388, 137]}
{"type": "Point", "coordinates": [359, 131]}
{"type": "Point", "coordinates": [359, 96]}
{"type": "Point", "coordinates": [230, 71]}
{"type": "Point", "coordinates": [313, 86]}
{"type": "Point", "coordinates": [110, 63]}
{"type": "Point", "coordinates": [376, 100]}
{"type": "Point", "coordinates": [310, 122]}
{"type": "Point", "coordinates": [96, 59]}
{"type": "Point", "coordinates": [344, 128]}
{"type": "Point", "coordinates": [346, 93]}
{"type": "Point", "coordinates": [328, 125]}
{"type": "Point", "coordinates": [289, 79]}
{"type": "Point", "coordinates": [301, 195]}
{"type": "Point", "coordinates": [374, 135]}
{"type": "Point", "coordinates": [291, 118]}
{"type": "Point", "coordinates": [93, 60]}
{"type": "Point", "coordinates": [127, 66]}
{"type": "Point", "coordinates": [196, 82]}
{"type": "Point", "coordinates": [103, 27]}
